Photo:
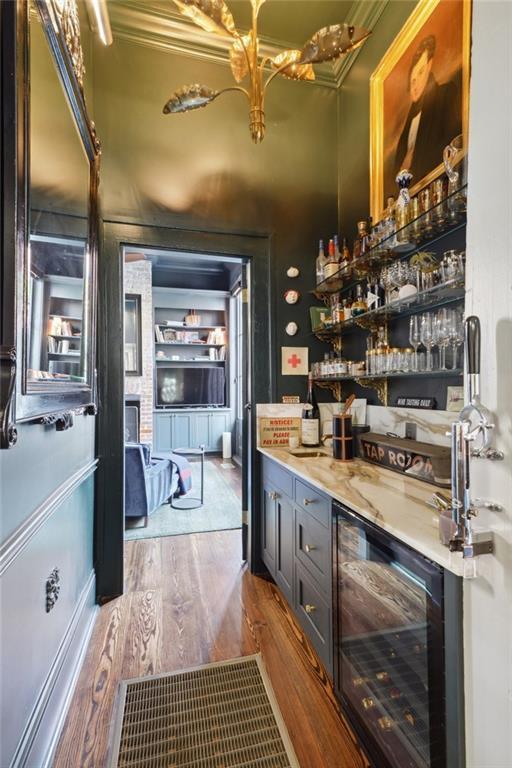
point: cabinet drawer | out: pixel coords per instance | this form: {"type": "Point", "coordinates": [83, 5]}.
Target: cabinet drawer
{"type": "Point", "coordinates": [314, 502]}
{"type": "Point", "coordinates": [314, 614]}
{"type": "Point", "coordinates": [312, 548]}
{"type": "Point", "coordinates": [278, 476]}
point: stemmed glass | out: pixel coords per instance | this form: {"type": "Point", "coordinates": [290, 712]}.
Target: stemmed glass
{"type": "Point", "coordinates": [455, 334]}
{"type": "Point", "coordinates": [427, 337]}
{"type": "Point", "coordinates": [442, 335]}
{"type": "Point", "coordinates": [414, 337]}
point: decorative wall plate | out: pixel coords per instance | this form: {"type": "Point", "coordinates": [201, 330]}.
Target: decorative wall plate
{"type": "Point", "coordinates": [291, 329]}
{"type": "Point", "coordinates": [291, 296]}
{"type": "Point", "coordinates": [293, 272]}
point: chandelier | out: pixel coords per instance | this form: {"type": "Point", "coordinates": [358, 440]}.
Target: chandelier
{"type": "Point", "coordinates": [327, 44]}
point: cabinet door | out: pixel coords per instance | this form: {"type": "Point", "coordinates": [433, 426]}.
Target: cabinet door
{"type": "Point", "coordinates": [181, 432]}
{"type": "Point", "coordinates": [201, 430]}
{"type": "Point", "coordinates": [268, 533]}
{"type": "Point", "coordinates": [217, 427]}
{"type": "Point", "coordinates": [163, 437]}
{"type": "Point", "coordinates": [284, 546]}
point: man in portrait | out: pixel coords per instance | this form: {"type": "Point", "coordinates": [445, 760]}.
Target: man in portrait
{"type": "Point", "coordinates": [434, 117]}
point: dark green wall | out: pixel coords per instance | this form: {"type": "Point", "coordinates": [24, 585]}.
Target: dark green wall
{"type": "Point", "coordinates": [201, 170]}
{"type": "Point", "coordinates": [354, 118]}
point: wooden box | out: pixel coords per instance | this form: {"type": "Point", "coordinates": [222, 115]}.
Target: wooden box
{"type": "Point", "coordinates": [422, 461]}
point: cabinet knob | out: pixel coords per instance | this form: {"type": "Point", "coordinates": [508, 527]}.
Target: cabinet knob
{"type": "Point", "coordinates": [273, 495]}
{"type": "Point", "coordinates": [309, 547]}
{"type": "Point", "coordinates": [309, 608]}
{"type": "Point", "coordinates": [306, 502]}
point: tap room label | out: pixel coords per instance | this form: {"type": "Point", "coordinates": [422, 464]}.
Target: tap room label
{"type": "Point", "coordinates": [416, 402]}
{"type": "Point", "coordinates": [276, 432]}
{"type": "Point", "coordinates": [432, 466]}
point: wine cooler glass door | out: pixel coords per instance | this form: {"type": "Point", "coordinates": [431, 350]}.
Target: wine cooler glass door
{"type": "Point", "coordinates": [389, 645]}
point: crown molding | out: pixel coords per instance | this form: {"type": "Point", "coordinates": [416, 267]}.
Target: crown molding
{"type": "Point", "coordinates": [145, 24]}
{"type": "Point", "coordinates": [362, 13]}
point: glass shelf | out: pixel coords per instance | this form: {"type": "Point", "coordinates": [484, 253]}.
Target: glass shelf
{"type": "Point", "coordinates": [401, 375]}
{"type": "Point", "coordinates": [432, 298]}
{"type": "Point", "coordinates": [440, 220]}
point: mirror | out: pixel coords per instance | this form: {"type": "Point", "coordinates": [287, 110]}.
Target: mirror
{"type": "Point", "coordinates": [58, 255]}
{"type": "Point", "coordinates": [132, 335]}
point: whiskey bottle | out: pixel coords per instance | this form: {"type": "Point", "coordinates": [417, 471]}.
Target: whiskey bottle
{"type": "Point", "coordinates": [331, 265]}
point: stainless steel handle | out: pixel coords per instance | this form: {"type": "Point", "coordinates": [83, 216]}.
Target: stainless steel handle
{"type": "Point", "coordinates": [306, 502]}
{"type": "Point", "coordinates": [309, 608]}
{"type": "Point", "coordinates": [309, 548]}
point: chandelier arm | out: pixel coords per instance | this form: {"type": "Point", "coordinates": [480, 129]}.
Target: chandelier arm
{"type": "Point", "coordinates": [235, 88]}
{"type": "Point", "coordinates": [276, 72]}
{"type": "Point", "coordinates": [265, 60]}
{"type": "Point", "coordinates": [246, 52]}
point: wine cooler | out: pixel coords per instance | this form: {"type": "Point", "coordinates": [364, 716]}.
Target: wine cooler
{"type": "Point", "coordinates": [397, 647]}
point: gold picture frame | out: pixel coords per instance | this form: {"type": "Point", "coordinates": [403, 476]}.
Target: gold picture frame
{"type": "Point", "coordinates": [386, 122]}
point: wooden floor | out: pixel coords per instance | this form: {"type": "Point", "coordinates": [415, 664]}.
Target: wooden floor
{"type": "Point", "coordinates": [188, 601]}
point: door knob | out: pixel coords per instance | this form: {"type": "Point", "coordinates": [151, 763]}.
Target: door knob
{"type": "Point", "coordinates": [273, 495]}
{"type": "Point", "coordinates": [309, 608]}
{"type": "Point", "coordinates": [309, 547]}
{"type": "Point", "coordinates": [306, 502]}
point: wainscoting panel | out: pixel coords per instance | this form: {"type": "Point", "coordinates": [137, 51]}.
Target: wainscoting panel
{"type": "Point", "coordinates": [47, 594]}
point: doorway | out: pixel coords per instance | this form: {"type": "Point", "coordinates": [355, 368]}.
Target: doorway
{"type": "Point", "coordinates": [254, 251]}
{"type": "Point", "coordinates": [185, 391]}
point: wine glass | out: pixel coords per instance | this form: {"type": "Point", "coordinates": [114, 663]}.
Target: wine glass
{"type": "Point", "coordinates": [442, 335]}
{"type": "Point", "coordinates": [414, 338]}
{"type": "Point", "coordinates": [427, 337]}
{"type": "Point", "coordinates": [455, 334]}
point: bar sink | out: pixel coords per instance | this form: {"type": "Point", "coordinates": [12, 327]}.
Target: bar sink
{"type": "Point", "coordinates": [308, 454]}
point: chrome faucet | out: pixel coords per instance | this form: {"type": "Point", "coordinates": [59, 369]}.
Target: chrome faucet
{"type": "Point", "coordinates": [471, 435]}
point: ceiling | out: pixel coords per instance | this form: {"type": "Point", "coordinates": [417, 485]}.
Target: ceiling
{"type": "Point", "coordinates": [177, 269]}
{"type": "Point", "coordinates": [291, 21]}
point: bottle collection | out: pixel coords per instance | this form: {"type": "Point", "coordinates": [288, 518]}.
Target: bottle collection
{"type": "Point", "coordinates": [398, 282]}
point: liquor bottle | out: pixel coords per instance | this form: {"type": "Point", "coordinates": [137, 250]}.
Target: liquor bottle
{"type": "Point", "coordinates": [362, 242]}
{"type": "Point", "coordinates": [331, 265]}
{"type": "Point", "coordinates": [310, 417]}
{"type": "Point", "coordinates": [372, 296]}
{"type": "Point", "coordinates": [320, 263]}
{"type": "Point", "coordinates": [359, 306]}
{"type": "Point", "coordinates": [345, 253]}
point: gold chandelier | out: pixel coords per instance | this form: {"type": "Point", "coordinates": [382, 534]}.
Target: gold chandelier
{"type": "Point", "coordinates": [327, 44]}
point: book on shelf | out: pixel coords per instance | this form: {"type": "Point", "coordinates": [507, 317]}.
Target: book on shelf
{"type": "Point", "coordinates": [158, 333]}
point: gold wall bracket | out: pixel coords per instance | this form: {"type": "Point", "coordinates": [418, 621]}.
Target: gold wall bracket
{"type": "Point", "coordinates": [379, 385]}
{"type": "Point", "coordinates": [334, 386]}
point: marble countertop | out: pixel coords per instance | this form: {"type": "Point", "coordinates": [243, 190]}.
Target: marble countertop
{"type": "Point", "coordinates": [392, 501]}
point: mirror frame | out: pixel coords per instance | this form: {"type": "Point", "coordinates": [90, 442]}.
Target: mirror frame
{"type": "Point", "coordinates": [42, 402]}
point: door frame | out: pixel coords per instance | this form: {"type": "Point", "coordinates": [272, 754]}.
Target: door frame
{"type": "Point", "coordinates": [109, 506]}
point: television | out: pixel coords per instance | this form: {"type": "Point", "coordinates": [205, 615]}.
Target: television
{"type": "Point", "coordinates": [180, 387]}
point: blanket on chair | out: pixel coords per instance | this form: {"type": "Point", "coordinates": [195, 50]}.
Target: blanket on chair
{"type": "Point", "coordinates": [184, 472]}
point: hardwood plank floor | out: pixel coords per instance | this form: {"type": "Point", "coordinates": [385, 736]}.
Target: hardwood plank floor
{"type": "Point", "coordinates": [189, 600]}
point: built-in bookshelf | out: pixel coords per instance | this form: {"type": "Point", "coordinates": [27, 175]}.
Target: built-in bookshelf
{"type": "Point", "coordinates": [64, 329]}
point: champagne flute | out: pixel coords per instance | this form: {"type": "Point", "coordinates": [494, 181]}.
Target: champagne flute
{"type": "Point", "coordinates": [442, 324]}
{"type": "Point", "coordinates": [427, 337]}
{"type": "Point", "coordinates": [414, 338]}
{"type": "Point", "coordinates": [455, 334]}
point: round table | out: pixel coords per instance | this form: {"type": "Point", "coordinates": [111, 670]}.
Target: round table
{"type": "Point", "coordinates": [184, 501]}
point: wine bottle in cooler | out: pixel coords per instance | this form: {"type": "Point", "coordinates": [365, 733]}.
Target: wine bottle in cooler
{"type": "Point", "coordinates": [311, 417]}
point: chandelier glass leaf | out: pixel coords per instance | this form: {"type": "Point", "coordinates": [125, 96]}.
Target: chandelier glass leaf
{"type": "Point", "coordinates": [190, 97]}
{"type": "Point", "coordinates": [331, 42]}
{"type": "Point", "coordinates": [294, 70]}
{"type": "Point", "coordinates": [214, 16]}
{"type": "Point", "coordinates": [210, 15]}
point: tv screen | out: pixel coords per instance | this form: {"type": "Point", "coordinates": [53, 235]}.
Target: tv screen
{"type": "Point", "coordinates": [190, 386]}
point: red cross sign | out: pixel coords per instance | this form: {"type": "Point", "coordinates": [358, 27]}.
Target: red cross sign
{"type": "Point", "coordinates": [294, 361]}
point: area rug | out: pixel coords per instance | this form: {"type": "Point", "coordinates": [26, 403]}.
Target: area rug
{"type": "Point", "coordinates": [222, 509]}
{"type": "Point", "coordinates": [221, 715]}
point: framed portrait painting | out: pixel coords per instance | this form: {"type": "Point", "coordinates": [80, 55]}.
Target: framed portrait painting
{"type": "Point", "coordinates": [419, 98]}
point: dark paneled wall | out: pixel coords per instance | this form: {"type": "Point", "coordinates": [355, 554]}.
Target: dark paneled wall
{"type": "Point", "coordinates": [201, 170]}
